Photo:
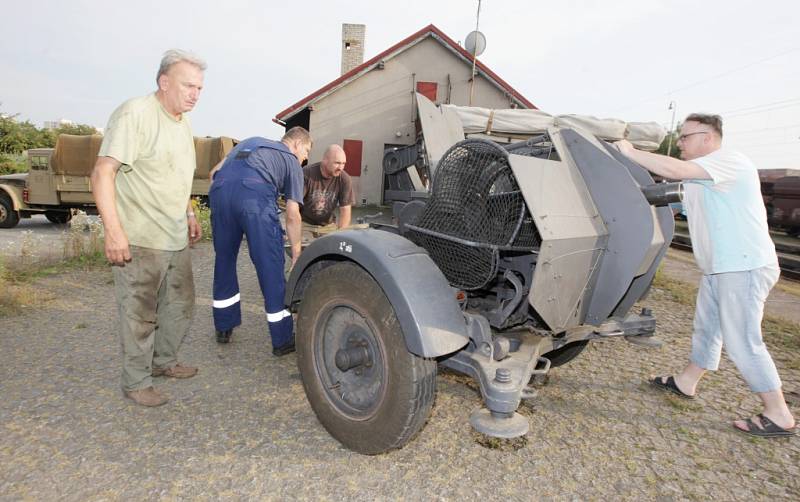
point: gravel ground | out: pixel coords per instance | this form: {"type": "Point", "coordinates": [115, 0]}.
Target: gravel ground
{"type": "Point", "coordinates": [242, 428]}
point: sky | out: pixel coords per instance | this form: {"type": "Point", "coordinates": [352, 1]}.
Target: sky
{"type": "Point", "coordinates": [626, 59]}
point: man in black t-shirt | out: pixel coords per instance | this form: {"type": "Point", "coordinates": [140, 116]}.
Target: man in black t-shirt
{"type": "Point", "coordinates": [326, 186]}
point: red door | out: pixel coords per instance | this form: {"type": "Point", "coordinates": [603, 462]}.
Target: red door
{"type": "Point", "coordinates": [352, 149]}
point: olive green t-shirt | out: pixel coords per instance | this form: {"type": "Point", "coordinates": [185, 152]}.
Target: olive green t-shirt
{"type": "Point", "coordinates": [155, 180]}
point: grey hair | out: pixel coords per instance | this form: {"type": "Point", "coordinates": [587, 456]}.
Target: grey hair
{"type": "Point", "coordinates": [174, 56]}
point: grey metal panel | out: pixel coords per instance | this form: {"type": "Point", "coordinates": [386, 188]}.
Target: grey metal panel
{"type": "Point", "coordinates": [422, 299]}
{"type": "Point", "coordinates": [565, 272]}
{"type": "Point", "coordinates": [573, 237]}
{"type": "Point", "coordinates": [665, 222]}
{"type": "Point", "coordinates": [626, 214]}
{"type": "Point", "coordinates": [441, 129]}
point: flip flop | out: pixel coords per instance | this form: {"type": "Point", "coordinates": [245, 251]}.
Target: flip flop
{"type": "Point", "coordinates": [670, 386]}
{"type": "Point", "coordinates": [768, 429]}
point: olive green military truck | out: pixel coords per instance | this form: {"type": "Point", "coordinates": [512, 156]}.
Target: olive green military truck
{"type": "Point", "coordinates": [57, 181]}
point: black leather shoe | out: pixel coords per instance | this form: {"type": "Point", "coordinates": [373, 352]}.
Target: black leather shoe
{"type": "Point", "coordinates": [282, 351]}
{"type": "Point", "coordinates": [224, 336]}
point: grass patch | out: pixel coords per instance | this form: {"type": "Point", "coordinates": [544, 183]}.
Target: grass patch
{"type": "Point", "coordinates": [780, 333]}
{"type": "Point", "coordinates": [784, 336]}
{"type": "Point", "coordinates": [679, 291]}
{"type": "Point", "coordinates": [82, 250]}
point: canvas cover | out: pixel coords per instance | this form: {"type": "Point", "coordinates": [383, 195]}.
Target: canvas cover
{"type": "Point", "coordinates": [518, 122]}
{"type": "Point", "coordinates": [75, 155]}
{"type": "Point", "coordinates": [209, 151]}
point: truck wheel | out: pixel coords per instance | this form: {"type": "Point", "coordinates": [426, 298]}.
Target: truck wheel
{"type": "Point", "coordinates": [566, 353]}
{"type": "Point", "coordinates": [365, 387]}
{"type": "Point", "coordinates": [58, 217]}
{"type": "Point", "coordinates": [8, 216]}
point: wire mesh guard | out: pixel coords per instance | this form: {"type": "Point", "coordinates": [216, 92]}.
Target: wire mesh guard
{"type": "Point", "coordinates": [475, 211]}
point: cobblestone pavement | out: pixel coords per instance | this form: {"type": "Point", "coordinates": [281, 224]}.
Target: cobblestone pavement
{"type": "Point", "coordinates": [242, 429]}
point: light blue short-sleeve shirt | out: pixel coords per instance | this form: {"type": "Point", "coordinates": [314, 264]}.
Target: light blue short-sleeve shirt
{"type": "Point", "coordinates": [727, 217]}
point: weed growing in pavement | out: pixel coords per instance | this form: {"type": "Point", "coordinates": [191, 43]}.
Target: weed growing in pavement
{"type": "Point", "coordinates": [83, 242]}
{"type": "Point", "coordinates": [501, 444]}
{"type": "Point", "coordinates": [203, 213]}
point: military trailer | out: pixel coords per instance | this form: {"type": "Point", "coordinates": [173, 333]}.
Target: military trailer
{"type": "Point", "coordinates": [57, 181]}
{"type": "Point", "coordinates": [514, 259]}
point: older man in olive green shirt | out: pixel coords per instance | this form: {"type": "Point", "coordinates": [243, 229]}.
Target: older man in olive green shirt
{"type": "Point", "coordinates": [142, 183]}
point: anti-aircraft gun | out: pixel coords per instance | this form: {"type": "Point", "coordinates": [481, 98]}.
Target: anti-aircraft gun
{"type": "Point", "coordinates": [515, 259]}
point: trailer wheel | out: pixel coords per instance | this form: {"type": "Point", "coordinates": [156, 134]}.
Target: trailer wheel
{"type": "Point", "coordinates": [58, 217]}
{"type": "Point", "coordinates": [365, 387]}
{"type": "Point", "coordinates": [566, 353]}
{"type": "Point", "coordinates": [8, 216]}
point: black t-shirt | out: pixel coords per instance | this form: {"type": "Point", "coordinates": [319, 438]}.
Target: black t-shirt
{"type": "Point", "coordinates": [321, 196]}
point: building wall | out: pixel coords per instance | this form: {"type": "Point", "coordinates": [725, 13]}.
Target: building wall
{"type": "Point", "coordinates": [378, 108]}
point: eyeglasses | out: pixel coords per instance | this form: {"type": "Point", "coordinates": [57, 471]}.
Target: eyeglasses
{"type": "Point", "coordinates": [683, 137]}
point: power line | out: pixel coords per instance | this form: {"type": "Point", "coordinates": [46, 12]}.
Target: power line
{"type": "Point", "coordinates": [741, 131]}
{"type": "Point", "coordinates": [760, 106]}
{"type": "Point", "coordinates": [760, 145]}
{"type": "Point", "coordinates": [709, 79]}
{"type": "Point", "coordinates": [740, 68]}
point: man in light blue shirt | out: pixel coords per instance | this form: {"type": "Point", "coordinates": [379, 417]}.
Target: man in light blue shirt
{"type": "Point", "coordinates": [732, 246]}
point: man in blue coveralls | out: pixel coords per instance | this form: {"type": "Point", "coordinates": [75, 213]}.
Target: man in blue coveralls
{"type": "Point", "coordinates": [243, 199]}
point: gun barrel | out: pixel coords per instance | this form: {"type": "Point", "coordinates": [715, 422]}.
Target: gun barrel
{"type": "Point", "coordinates": [662, 194]}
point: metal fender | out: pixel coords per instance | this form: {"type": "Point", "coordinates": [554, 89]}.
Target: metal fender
{"type": "Point", "coordinates": [424, 302]}
{"type": "Point", "coordinates": [15, 194]}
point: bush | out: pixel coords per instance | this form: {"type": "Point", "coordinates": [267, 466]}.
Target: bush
{"type": "Point", "coordinates": [203, 213]}
{"type": "Point", "coordinates": [10, 164]}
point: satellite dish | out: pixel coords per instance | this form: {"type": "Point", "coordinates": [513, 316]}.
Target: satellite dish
{"type": "Point", "coordinates": [475, 43]}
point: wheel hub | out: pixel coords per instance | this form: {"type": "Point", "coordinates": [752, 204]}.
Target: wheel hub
{"type": "Point", "coordinates": [354, 355]}
{"type": "Point", "coordinates": [349, 362]}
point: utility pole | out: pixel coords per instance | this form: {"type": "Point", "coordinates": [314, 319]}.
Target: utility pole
{"type": "Point", "coordinates": [474, 54]}
{"type": "Point", "coordinates": [673, 107]}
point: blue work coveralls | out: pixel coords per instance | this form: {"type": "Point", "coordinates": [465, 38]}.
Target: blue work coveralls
{"type": "Point", "coordinates": [243, 200]}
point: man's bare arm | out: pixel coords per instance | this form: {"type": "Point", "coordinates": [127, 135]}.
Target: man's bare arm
{"type": "Point", "coordinates": [294, 228]}
{"type": "Point", "coordinates": [668, 167]}
{"type": "Point", "coordinates": [104, 173]}
{"type": "Point", "coordinates": [345, 213]}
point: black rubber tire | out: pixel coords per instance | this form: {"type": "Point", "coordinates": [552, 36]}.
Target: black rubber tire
{"type": "Point", "coordinates": [566, 353]}
{"type": "Point", "coordinates": [58, 217]}
{"type": "Point", "coordinates": [8, 216]}
{"type": "Point", "coordinates": [406, 385]}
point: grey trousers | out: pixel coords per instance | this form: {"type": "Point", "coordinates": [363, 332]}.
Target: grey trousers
{"type": "Point", "coordinates": [155, 297]}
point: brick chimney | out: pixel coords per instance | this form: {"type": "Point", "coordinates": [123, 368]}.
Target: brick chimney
{"type": "Point", "coordinates": [352, 46]}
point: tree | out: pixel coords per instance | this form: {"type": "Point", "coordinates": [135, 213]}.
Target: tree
{"type": "Point", "coordinates": [76, 129]}
{"type": "Point", "coordinates": [16, 136]}
{"type": "Point", "coordinates": [674, 151]}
